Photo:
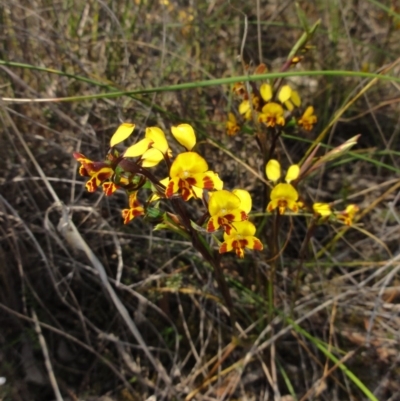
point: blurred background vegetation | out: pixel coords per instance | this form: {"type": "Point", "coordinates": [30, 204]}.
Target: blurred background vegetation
{"type": "Point", "coordinates": [62, 335]}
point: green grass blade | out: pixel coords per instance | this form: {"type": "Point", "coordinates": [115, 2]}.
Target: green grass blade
{"type": "Point", "coordinates": [321, 346]}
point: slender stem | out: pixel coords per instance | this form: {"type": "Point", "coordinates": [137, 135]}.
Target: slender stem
{"type": "Point", "coordinates": [274, 251]}
{"type": "Point", "coordinates": [211, 257]}
{"type": "Point", "coordinates": [302, 255]}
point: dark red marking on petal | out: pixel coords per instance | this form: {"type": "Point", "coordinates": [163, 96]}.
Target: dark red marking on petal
{"type": "Point", "coordinates": [190, 181]}
{"type": "Point", "coordinates": [138, 211]}
{"type": "Point", "coordinates": [169, 191]}
{"type": "Point", "coordinates": [240, 253]}
{"type": "Point", "coordinates": [133, 203]}
{"type": "Point", "coordinates": [210, 226]}
{"type": "Point", "coordinates": [243, 243]}
{"type": "Point", "coordinates": [227, 228]}
{"type": "Point", "coordinates": [83, 172]}
{"type": "Point", "coordinates": [109, 188]}
{"type": "Point", "coordinates": [91, 185]}
{"type": "Point", "coordinates": [103, 175]}
{"type": "Point", "coordinates": [229, 217]}
{"type": "Point", "coordinates": [125, 215]}
{"type": "Point", "coordinates": [258, 246]}
{"type": "Point", "coordinates": [208, 183]}
{"type": "Point", "coordinates": [186, 193]}
{"type": "Point", "coordinates": [223, 248]}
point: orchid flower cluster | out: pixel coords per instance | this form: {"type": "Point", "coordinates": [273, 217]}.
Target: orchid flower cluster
{"type": "Point", "coordinates": [285, 195]}
{"type": "Point", "coordinates": [274, 106]}
{"type": "Point", "coordinates": [189, 177]}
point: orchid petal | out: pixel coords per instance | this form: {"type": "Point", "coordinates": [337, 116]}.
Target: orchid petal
{"type": "Point", "coordinates": [138, 148]}
{"type": "Point", "coordinates": [245, 199]}
{"type": "Point", "coordinates": [158, 137]}
{"type": "Point", "coordinates": [185, 135]}
{"type": "Point", "coordinates": [292, 173]}
{"type": "Point", "coordinates": [266, 92]}
{"type": "Point", "coordinates": [123, 132]}
{"type": "Point", "coordinates": [151, 157]}
{"type": "Point", "coordinates": [285, 93]}
{"type": "Point", "coordinates": [273, 170]}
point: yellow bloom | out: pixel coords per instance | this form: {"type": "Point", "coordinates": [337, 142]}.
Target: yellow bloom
{"type": "Point", "coordinates": [239, 89]}
{"type": "Point", "coordinates": [189, 172]}
{"type": "Point", "coordinates": [308, 119]}
{"type": "Point", "coordinates": [283, 195]}
{"type": "Point", "coordinates": [322, 209]}
{"type": "Point", "coordinates": [272, 114]}
{"type": "Point", "coordinates": [134, 208]}
{"type": "Point", "coordinates": [348, 214]}
{"type": "Point", "coordinates": [231, 125]}
{"type": "Point", "coordinates": [289, 97]}
{"type": "Point", "coordinates": [240, 237]}
{"type": "Point", "coordinates": [98, 172]}
{"type": "Point", "coordinates": [226, 207]}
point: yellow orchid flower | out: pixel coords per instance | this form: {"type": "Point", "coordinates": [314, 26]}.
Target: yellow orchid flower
{"type": "Point", "coordinates": [226, 207]}
{"type": "Point", "coordinates": [134, 208]}
{"type": "Point", "coordinates": [241, 237]}
{"type": "Point", "coordinates": [231, 125]}
{"type": "Point", "coordinates": [98, 172]}
{"type": "Point", "coordinates": [347, 215]}
{"type": "Point", "coordinates": [189, 172]}
{"type": "Point", "coordinates": [239, 89]}
{"type": "Point", "coordinates": [308, 119]}
{"type": "Point", "coordinates": [271, 115]}
{"type": "Point", "coordinates": [283, 195]}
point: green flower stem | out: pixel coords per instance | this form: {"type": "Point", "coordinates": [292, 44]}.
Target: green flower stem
{"type": "Point", "coordinates": [211, 257]}
{"type": "Point", "coordinates": [302, 256]}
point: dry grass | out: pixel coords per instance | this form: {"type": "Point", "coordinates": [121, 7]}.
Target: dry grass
{"type": "Point", "coordinates": [93, 310]}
